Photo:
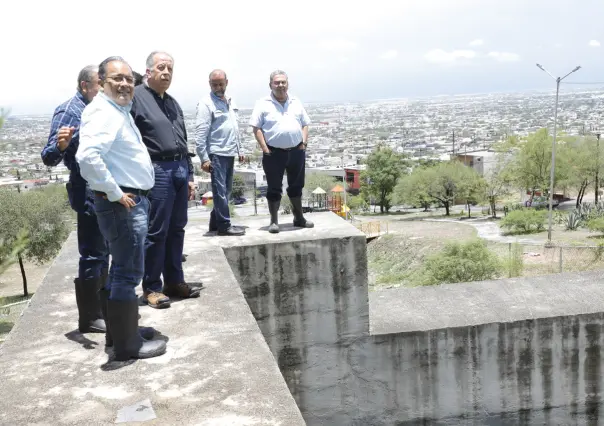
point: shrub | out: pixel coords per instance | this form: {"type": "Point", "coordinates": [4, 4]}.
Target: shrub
{"type": "Point", "coordinates": [461, 262]}
{"type": "Point", "coordinates": [514, 263]}
{"type": "Point", "coordinates": [524, 221]}
{"type": "Point", "coordinates": [596, 225]}
{"type": "Point", "coordinates": [573, 221]}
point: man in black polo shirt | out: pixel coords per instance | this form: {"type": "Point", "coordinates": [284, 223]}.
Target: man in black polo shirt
{"type": "Point", "coordinates": [161, 123]}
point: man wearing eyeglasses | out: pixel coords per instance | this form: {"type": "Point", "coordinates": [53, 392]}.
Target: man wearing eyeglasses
{"type": "Point", "coordinates": [161, 123]}
{"type": "Point", "coordinates": [115, 163]}
{"type": "Point", "coordinates": [63, 142]}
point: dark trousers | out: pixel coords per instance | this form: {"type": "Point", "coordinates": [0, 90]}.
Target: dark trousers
{"type": "Point", "coordinates": [278, 162]}
{"type": "Point", "coordinates": [222, 184]}
{"type": "Point", "coordinates": [167, 220]}
{"type": "Point", "coordinates": [125, 231]}
{"type": "Point", "coordinates": [93, 248]}
{"type": "Point", "coordinates": [94, 252]}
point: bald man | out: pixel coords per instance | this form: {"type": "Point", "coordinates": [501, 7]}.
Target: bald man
{"type": "Point", "coordinates": [217, 140]}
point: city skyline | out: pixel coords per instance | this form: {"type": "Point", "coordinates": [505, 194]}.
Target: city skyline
{"type": "Point", "coordinates": [331, 53]}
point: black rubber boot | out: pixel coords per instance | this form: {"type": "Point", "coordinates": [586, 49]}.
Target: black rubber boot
{"type": "Point", "coordinates": [89, 306]}
{"type": "Point", "coordinates": [299, 221]}
{"type": "Point", "coordinates": [127, 342]}
{"type": "Point", "coordinates": [146, 333]}
{"type": "Point", "coordinates": [273, 208]}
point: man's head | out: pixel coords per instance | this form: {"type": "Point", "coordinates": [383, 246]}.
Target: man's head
{"type": "Point", "coordinates": [117, 80]}
{"type": "Point", "coordinates": [279, 85]}
{"type": "Point", "coordinates": [88, 82]}
{"type": "Point", "coordinates": [138, 78]}
{"type": "Point", "coordinates": [160, 66]}
{"type": "Point", "coordinates": [218, 83]}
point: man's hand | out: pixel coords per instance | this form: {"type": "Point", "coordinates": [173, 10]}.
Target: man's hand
{"type": "Point", "coordinates": [302, 146]}
{"type": "Point", "coordinates": [242, 159]}
{"type": "Point", "coordinates": [127, 200]}
{"type": "Point", "coordinates": [205, 166]}
{"type": "Point", "coordinates": [266, 150]}
{"type": "Point", "coordinates": [64, 136]}
{"type": "Point", "coordinates": [191, 190]}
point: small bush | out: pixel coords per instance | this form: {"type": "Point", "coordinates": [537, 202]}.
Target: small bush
{"type": "Point", "coordinates": [573, 221]}
{"type": "Point", "coordinates": [596, 225]}
{"type": "Point", "coordinates": [524, 221]}
{"type": "Point", "coordinates": [514, 263]}
{"type": "Point", "coordinates": [461, 262]}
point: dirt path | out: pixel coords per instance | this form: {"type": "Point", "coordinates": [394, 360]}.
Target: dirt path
{"type": "Point", "coordinates": [490, 231]}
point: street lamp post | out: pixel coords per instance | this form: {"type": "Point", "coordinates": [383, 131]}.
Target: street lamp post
{"type": "Point", "coordinates": [552, 169]}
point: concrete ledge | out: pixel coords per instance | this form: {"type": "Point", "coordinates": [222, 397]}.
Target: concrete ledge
{"type": "Point", "coordinates": [218, 369]}
{"type": "Point", "coordinates": [402, 310]}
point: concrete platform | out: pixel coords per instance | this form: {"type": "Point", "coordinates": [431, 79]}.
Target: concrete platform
{"type": "Point", "coordinates": [218, 369]}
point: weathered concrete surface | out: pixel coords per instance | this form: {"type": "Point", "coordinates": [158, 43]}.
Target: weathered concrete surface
{"type": "Point", "coordinates": [308, 292]}
{"type": "Point", "coordinates": [218, 369]}
{"type": "Point", "coordinates": [522, 351]}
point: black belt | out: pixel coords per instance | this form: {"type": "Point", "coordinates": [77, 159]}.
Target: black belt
{"type": "Point", "coordinates": [176, 157]}
{"type": "Point", "coordinates": [134, 191]}
{"type": "Point", "coordinates": [284, 149]}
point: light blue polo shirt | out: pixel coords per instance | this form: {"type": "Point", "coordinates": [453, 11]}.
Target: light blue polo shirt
{"type": "Point", "coordinates": [280, 124]}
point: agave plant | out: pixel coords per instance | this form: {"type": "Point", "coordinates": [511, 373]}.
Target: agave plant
{"type": "Point", "coordinates": [573, 220]}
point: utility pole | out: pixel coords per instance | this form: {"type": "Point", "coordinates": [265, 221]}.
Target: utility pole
{"type": "Point", "coordinates": [255, 197]}
{"type": "Point", "coordinates": [453, 142]}
{"type": "Point", "coordinates": [345, 183]}
{"type": "Point", "coordinates": [597, 164]}
{"type": "Point", "coordinates": [553, 166]}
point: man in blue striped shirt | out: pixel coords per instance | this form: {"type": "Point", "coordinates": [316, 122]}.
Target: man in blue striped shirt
{"type": "Point", "coordinates": [62, 145]}
{"type": "Point", "coordinates": [217, 140]}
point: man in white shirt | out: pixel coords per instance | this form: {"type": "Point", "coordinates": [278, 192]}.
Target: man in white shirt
{"type": "Point", "coordinates": [280, 126]}
{"type": "Point", "coordinates": [116, 164]}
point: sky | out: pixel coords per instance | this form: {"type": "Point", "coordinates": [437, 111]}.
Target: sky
{"type": "Point", "coordinates": [333, 51]}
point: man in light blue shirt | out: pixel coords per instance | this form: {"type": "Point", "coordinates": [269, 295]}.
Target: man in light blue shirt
{"type": "Point", "coordinates": [116, 164]}
{"type": "Point", "coordinates": [280, 126]}
{"type": "Point", "coordinates": [217, 139]}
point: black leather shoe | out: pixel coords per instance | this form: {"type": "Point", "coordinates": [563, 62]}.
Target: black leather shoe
{"type": "Point", "coordinates": [232, 231]}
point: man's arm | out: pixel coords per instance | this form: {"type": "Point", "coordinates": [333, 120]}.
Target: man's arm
{"type": "Point", "coordinates": [181, 114]}
{"type": "Point", "coordinates": [59, 138]}
{"type": "Point", "coordinates": [97, 134]}
{"type": "Point", "coordinates": [304, 121]}
{"type": "Point", "coordinates": [256, 121]}
{"type": "Point", "coordinates": [203, 122]}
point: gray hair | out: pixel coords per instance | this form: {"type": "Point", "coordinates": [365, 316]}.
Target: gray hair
{"type": "Point", "coordinates": [151, 58]}
{"type": "Point", "coordinates": [276, 73]}
{"type": "Point", "coordinates": [103, 66]}
{"type": "Point", "coordinates": [86, 74]}
{"type": "Point", "coordinates": [218, 71]}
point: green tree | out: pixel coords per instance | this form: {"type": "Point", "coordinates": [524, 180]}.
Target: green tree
{"type": "Point", "coordinates": [238, 187]}
{"type": "Point", "coordinates": [45, 216]}
{"type": "Point", "coordinates": [445, 183]}
{"type": "Point", "coordinates": [497, 182]}
{"type": "Point", "coordinates": [384, 168]}
{"type": "Point", "coordinates": [533, 161]}
{"type": "Point", "coordinates": [412, 190]}
{"type": "Point", "coordinates": [318, 180]}
{"type": "Point", "coordinates": [579, 158]}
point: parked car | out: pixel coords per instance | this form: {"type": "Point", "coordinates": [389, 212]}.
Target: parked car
{"type": "Point", "coordinates": [238, 201]}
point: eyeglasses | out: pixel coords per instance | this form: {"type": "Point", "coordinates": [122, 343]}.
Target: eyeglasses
{"type": "Point", "coordinates": [121, 77]}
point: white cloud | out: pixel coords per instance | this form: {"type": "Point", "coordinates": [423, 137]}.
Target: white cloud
{"type": "Point", "coordinates": [439, 56]}
{"type": "Point", "coordinates": [594, 43]}
{"type": "Point", "coordinates": [338, 45]}
{"type": "Point", "coordinates": [504, 56]}
{"type": "Point", "coordinates": [389, 54]}
{"type": "Point", "coordinates": [477, 42]}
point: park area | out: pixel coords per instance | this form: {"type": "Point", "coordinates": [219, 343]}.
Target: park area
{"type": "Point", "coordinates": [459, 249]}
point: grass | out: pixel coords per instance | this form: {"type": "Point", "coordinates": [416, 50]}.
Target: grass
{"type": "Point", "coordinates": [396, 259]}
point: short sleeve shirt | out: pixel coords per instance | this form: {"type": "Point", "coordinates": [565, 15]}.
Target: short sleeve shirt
{"type": "Point", "coordinates": [281, 124]}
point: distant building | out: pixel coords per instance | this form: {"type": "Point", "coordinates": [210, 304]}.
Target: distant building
{"type": "Point", "coordinates": [481, 161]}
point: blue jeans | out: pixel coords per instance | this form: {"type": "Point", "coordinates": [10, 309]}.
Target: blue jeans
{"type": "Point", "coordinates": [222, 184]}
{"type": "Point", "coordinates": [168, 217]}
{"type": "Point", "coordinates": [125, 232]}
{"type": "Point", "coordinates": [276, 163]}
{"type": "Point", "coordinates": [94, 253]}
